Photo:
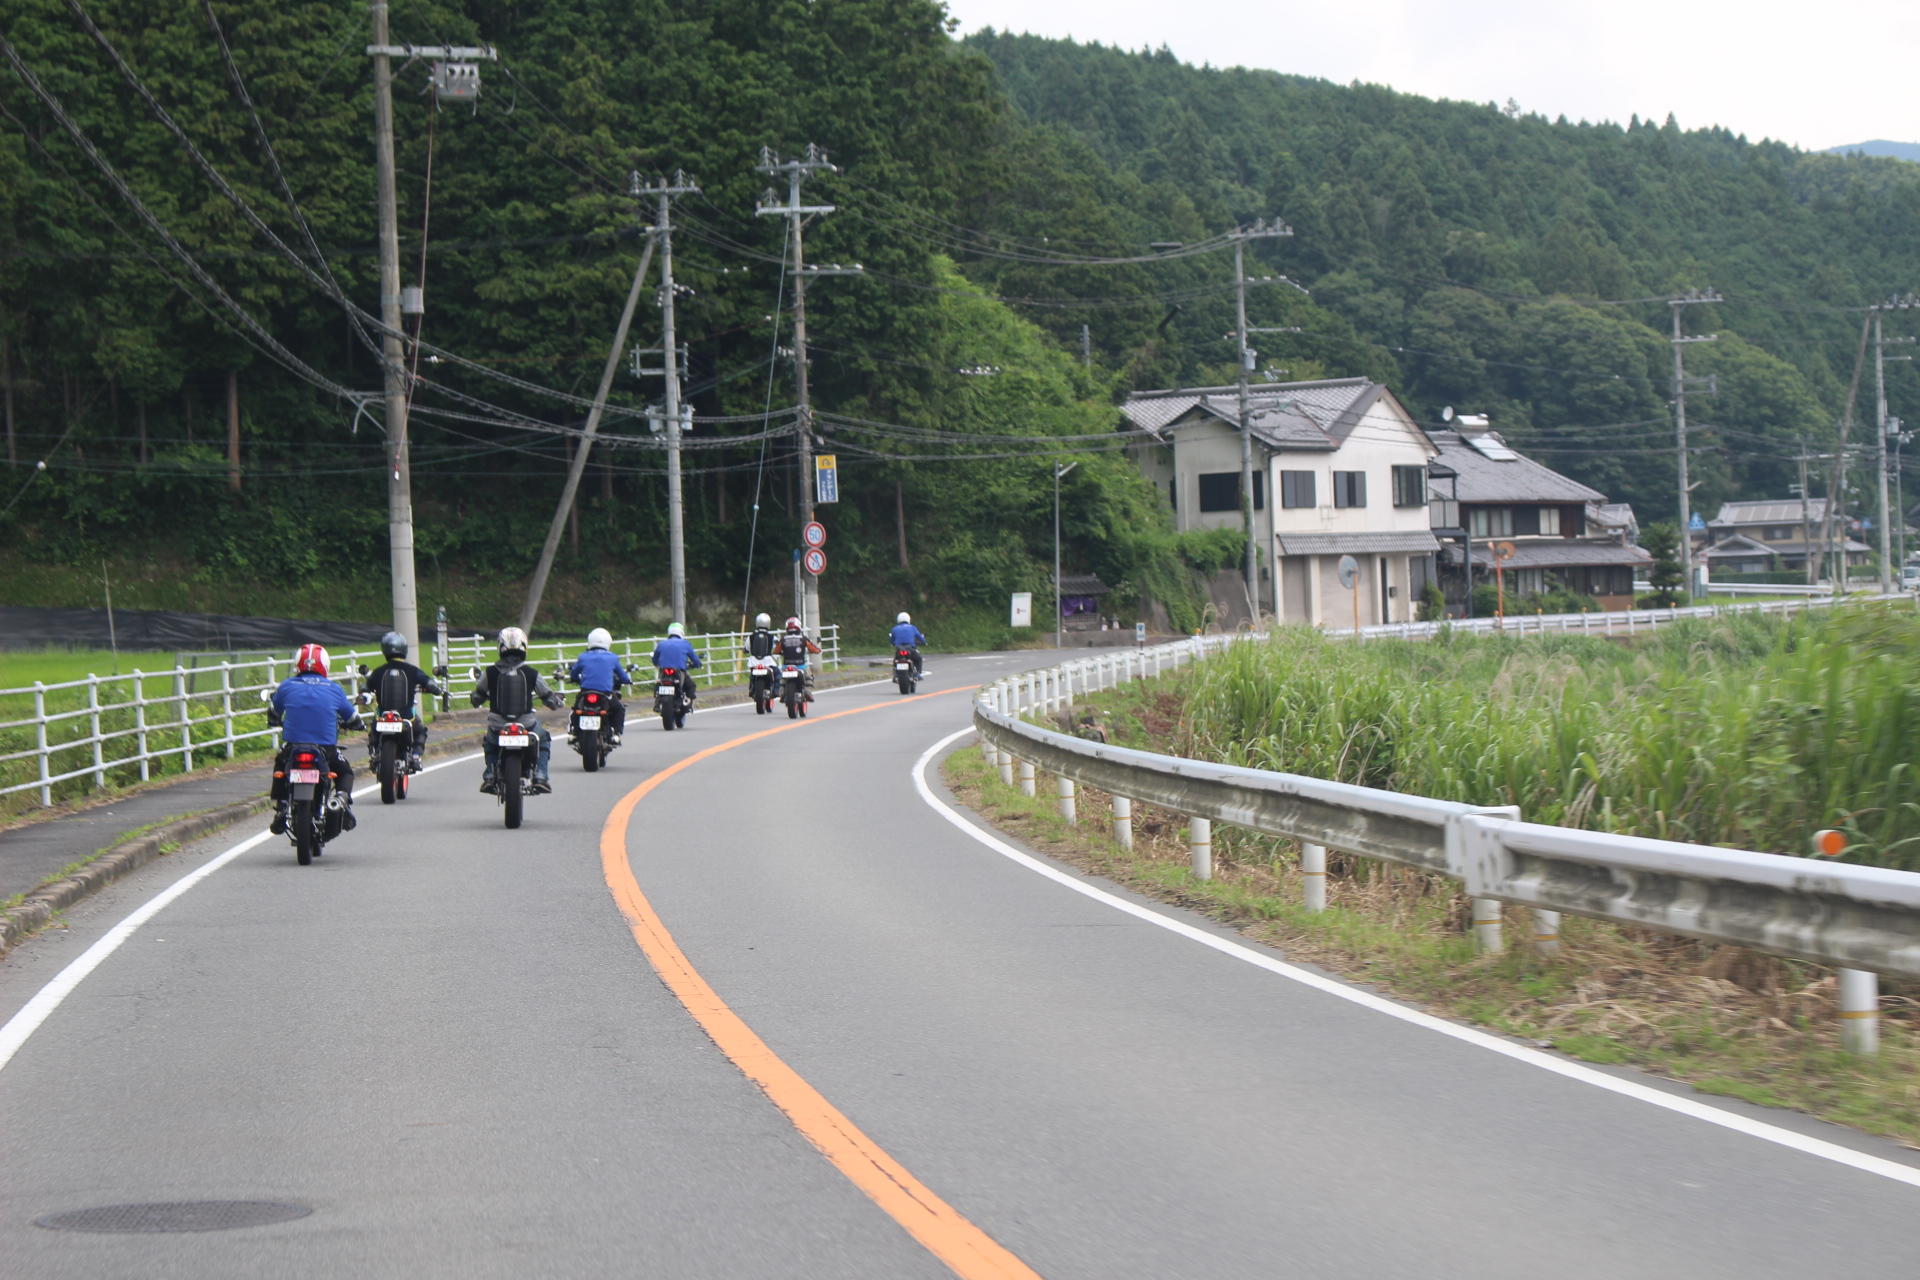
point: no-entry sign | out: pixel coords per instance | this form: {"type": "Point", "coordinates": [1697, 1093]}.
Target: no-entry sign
{"type": "Point", "coordinates": [815, 561]}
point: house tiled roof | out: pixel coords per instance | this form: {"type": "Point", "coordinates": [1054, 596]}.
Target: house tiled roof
{"type": "Point", "coordinates": [1378, 543]}
{"type": "Point", "coordinates": [1283, 415]}
{"type": "Point", "coordinates": [1556, 553]}
{"type": "Point", "coordinates": [1515, 479]}
{"type": "Point", "coordinates": [1083, 584]}
{"type": "Point", "coordinates": [1747, 547]}
{"type": "Point", "coordinates": [1769, 511]}
{"type": "Point", "coordinates": [1610, 515]}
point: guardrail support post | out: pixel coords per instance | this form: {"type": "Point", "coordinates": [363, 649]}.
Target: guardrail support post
{"type": "Point", "coordinates": [140, 722]}
{"type": "Point", "coordinates": [1025, 769]}
{"type": "Point", "coordinates": [1313, 874]}
{"type": "Point", "coordinates": [93, 724]}
{"type": "Point", "coordinates": [1068, 809]}
{"type": "Point", "coordinates": [186, 720]}
{"type": "Point", "coordinates": [1859, 1011]}
{"type": "Point", "coordinates": [1004, 759]}
{"type": "Point", "coordinates": [1200, 841]}
{"type": "Point", "coordinates": [1546, 933]}
{"type": "Point", "coordinates": [40, 740]}
{"type": "Point", "coordinates": [1123, 822]}
{"type": "Point", "coordinates": [226, 703]}
{"type": "Point", "coordinates": [1486, 926]}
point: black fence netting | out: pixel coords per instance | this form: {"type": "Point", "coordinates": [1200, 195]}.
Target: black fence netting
{"type": "Point", "coordinates": [22, 627]}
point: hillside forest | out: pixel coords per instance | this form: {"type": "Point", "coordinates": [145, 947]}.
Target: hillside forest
{"type": "Point", "coordinates": [188, 259]}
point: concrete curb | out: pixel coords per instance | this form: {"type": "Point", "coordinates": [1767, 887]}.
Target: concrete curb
{"type": "Point", "coordinates": [47, 900]}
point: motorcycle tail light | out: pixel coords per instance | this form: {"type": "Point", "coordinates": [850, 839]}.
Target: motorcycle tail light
{"type": "Point", "coordinates": [592, 698]}
{"type": "Point", "coordinates": [306, 759]}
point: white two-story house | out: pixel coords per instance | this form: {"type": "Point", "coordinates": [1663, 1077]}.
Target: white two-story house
{"type": "Point", "coordinates": [1348, 467]}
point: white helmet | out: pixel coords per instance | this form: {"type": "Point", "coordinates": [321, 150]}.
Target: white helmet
{"type": "Point", "coordinates": [675, 629]}
{"type": "Point", "coordinates": [762, 621]}
{"type": "Point", "coordinates": [903, 618]}
{"type": "Point", "coordinates": [511, 639]}
{"type": "Point", "coordinates": [599, 638]}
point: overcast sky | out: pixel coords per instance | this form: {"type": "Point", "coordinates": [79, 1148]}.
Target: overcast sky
{"type": "Point", "coordinates": [1813, 74]}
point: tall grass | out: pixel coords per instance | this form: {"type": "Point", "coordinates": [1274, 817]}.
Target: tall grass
{"type": "Point", "coordinates": [1744, 732]}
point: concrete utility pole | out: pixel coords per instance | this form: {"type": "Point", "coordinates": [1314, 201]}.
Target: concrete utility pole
{"type": "Point", "coordinates": [1259, 230]}
{"type": "Point", "coordinates": [1806, 517]}
{"type": "Point", "coordinates": [1680, 421]}
{"type": "Point", "coordinates": [406, 613]}
{"type": "Point", "coordinates": [1880, 431]}
{"type": "Point", "coordinates": [798, 169]}
{"type": "Point", "coordinates": [663, 193]}
{"type": "Point", "coordinates": [538, 586]}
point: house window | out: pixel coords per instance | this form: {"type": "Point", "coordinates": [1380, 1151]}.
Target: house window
{"type": "Point", "coordinates": [1491, 522]}
{"type": "Point", "coordinates": [1550, 521]}
{"type": "Point", "coordinates": [1779, 533]}
{"type": "Point", "coordinates": [1220, 491]}
{"type": "Point", "coordinates": [1296, 489]}
{"type": "Point", "coordinates": [1409, 486]}
{"type": "Point", "coordinates": [1349, 488]}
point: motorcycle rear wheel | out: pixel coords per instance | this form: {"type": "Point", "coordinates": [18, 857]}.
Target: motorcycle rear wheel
{"type": "Point", "coordinates": [590, 753]}
{"type": "Point", "coordinates": [306, 839]}
{"type": "Point", "coordinates": [510, 794]}
{"type": "Point", "coordinates": [388, 769]}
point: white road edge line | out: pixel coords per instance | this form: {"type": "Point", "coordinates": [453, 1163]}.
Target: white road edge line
{"type": "Point", "coordinates": [36, 1011]}
{"type": "Point", "coordinates": [1533, 1057]}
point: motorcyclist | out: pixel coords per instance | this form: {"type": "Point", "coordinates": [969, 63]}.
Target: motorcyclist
{"type": "Point", "coordinates": [907, 636]}
{"type": "Point", "coordinates": [795, 645]}
{"type": "Point", "coordinates": [761, 641]}
{"type": "Point", "coordinates": [509, 689]}
{"type": "Point", "coordinates": [311, 709]}
{"type": "Point", "coordinates": [596, 669]}
{"type": "Point", "coordinates": [373, 687]}
{"type": "Point", "coordinates": [677, 652]}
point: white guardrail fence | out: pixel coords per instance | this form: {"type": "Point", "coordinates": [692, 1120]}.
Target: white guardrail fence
{"type": "Point", "coordinates": [1863, 920]}
{"type": "Point", "coordinates": [129, 727]}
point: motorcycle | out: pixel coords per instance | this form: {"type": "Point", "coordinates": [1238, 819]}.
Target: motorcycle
{"type": "Point", "coordinates": [392, 745]}
{"type": "Point", "coordinates": [590, 727]}
{"type": "Point", "coordinates": [670, 700]}
{"type": "Point", "coordinates": [763, 681]}
{"type": "Point", "coordinates": [316, 809]}
{"type": "Point", "coordinates": [793, 690]}
{"type": "Point", "coordinates": [515, 767]}
{"type": "Point", "coordinates": [903, 673]}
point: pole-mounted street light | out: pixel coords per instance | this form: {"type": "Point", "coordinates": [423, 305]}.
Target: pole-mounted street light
{"type": "Point", "coordinates": [1059, 617]}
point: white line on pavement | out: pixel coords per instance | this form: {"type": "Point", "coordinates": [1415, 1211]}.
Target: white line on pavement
{"type": "Point", "coordinates": [1532, 1057]}
{"type": "Point", "coordinates": [48, 998]}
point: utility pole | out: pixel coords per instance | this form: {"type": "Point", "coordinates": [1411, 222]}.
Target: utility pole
{"type": "Point", "coordinates": [1880, 431]}
{"type": "Point", "coordinates": [798, 169]}
{"type": "Point", "coordinates": [1059, 609]}
{"type": "Point", "coordinates": [538, 586]}
{"type": "Point", "coordinates": [1806, 516]}
{"type": "Point", "coordinates": [1261, 229]}
{"type": "Point", "coordinates": [1689, 298]}
{"type": "Point", "coordinates": [663, 192]}
{"type": "Point", "coordinates": [406, 614]}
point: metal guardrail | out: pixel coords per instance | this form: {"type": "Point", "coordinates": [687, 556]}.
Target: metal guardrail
{"type": "Point", "coordinates": [1864, 920]}
{"type": "Point", "coordinates": [1621, 623]}
{"type": "Point", "coordinates": [134, 726]}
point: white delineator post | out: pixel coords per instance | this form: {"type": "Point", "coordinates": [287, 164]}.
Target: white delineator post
{"type": "Point", "coordinates": [1313, 876]}
{"type": "Point", "coordinates": [1123, 822]}
{"type": "Point", "coordinates": [1068, 809]}
{"type": "Point", "coordinates": [1200, 841]}
{"type": "Point", "coordinates": [1859, 1011]}
{"type": "Point", "coordinates": [1004, 759]}
{"type": "Point", "coordinates": [1025, 771]}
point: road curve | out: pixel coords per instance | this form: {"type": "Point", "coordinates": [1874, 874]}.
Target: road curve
{"type": "Point", "coordinates": [445, 1041]}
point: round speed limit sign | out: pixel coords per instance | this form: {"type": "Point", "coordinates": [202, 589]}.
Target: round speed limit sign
{"type": "Point", "coordinates": [815, 561]}
{"type": "Point", "coordinates": [814, 534]}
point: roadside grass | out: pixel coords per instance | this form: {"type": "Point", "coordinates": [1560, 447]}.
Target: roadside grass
{"type": "Point", "coordinates": [1725, 1020]}
{"type": "Point", "coordinates": [20, 668]}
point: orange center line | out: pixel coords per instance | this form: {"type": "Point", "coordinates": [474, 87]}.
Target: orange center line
{"type": "Point", "coordinates": [940, 1228]}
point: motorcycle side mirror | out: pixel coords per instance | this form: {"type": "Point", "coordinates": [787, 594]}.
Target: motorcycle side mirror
{"type": "Point", "coordinates": [476, 672]}
{"type": "Point", "coordinates": [363, 668]}
{"type": "Point", "coordinates": [266, 695]}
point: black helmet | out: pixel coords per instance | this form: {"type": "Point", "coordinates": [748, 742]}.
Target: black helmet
{"type": "Point", "coordinates": [393, 645]}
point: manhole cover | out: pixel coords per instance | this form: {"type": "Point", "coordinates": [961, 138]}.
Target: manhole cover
{"type": "Point", "coordinates": [175, 1215]}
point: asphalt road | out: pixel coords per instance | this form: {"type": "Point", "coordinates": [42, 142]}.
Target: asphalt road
{"type": "Point", "coordinates": [446, 1040]}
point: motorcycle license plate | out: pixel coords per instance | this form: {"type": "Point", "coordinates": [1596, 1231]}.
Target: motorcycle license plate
{"type": "Point", "coordinates": [903, 666]}
{"type": "Point", "coordinates": [390, 726]}
{"type": "Point", "coordinates": [667, 690]}
{"type": "Point", "coordinates": [311, 776]}
{"type": "Point", "coordinates": [589, 722]}
{"type": "Point", "coordinates": [513, 741]}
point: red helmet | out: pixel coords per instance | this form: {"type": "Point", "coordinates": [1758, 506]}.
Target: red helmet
{"type": "Point", "coordinates": [793, 624]}
{"type": "Point", "coordinates": [312, 659]}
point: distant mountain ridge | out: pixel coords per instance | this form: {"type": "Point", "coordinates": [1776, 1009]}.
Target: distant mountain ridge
{"type": "Point", "coordinates": [1879, 147]}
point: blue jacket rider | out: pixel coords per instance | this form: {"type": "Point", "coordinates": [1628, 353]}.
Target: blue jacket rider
{"type": "Point", "coordinates": [311, 709]}
{"type": "Point", "coordinates": [675, 651]}
{"type": "Point", "coordinates": [907, 636]}
{"type": "Point", "coordinates": [598, 670]}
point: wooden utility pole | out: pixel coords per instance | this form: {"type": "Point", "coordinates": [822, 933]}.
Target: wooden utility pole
{"type": "Point", "coordinates": [233, 430]}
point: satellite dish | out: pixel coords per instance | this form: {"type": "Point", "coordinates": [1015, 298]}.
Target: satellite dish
{"type": "Point", "coordinates": [1446, 414]}
{"type": "Point", "coordinates": [1349, 571]}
